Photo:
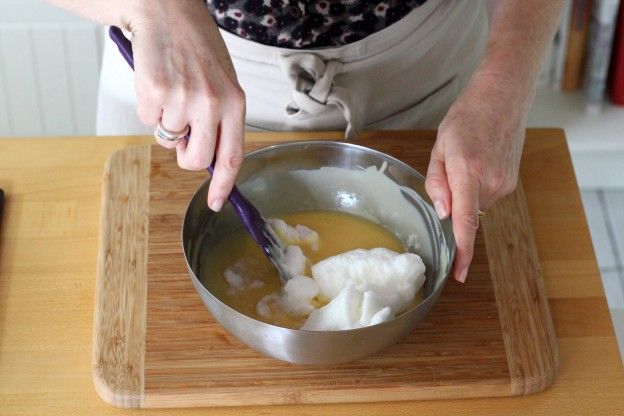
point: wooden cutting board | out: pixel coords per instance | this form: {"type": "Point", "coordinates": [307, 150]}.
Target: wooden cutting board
{"type": "Point", "coordinates": [155, 344]}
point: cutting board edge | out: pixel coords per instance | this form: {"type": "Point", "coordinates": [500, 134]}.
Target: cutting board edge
{"type": "Point", "coordinates": [515, 386]}
{"type": "Point", "coordinates": [534, 369]}
{"type": "Point", "coordinates": [257, 396]}
{"type": "Point", "coordinates": [118, 351]}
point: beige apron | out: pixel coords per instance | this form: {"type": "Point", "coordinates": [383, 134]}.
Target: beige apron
{"type": "Point", "coordinates": [404, 76]}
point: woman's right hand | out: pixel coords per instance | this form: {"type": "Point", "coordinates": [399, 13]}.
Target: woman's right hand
{"type": "Point", "coordinates": [184, 76]}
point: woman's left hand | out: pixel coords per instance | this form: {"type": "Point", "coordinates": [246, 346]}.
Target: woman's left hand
{"type": "Point", "coordinates": [476, 157]}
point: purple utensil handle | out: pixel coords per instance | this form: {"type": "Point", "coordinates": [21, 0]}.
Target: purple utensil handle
{"type": "Point", "coordinates": [246, 212]}
{"type": "Point", "coordinates": [124, 45]}
{"type": "Point", "coordinates": [248, 215]}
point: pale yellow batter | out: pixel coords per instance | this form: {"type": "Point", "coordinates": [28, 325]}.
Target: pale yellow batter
{"type": "Point", "coordinates": [255, 277]}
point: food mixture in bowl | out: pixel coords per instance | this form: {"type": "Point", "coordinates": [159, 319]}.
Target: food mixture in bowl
{"type": "Point", "coordinates": [349, 273]}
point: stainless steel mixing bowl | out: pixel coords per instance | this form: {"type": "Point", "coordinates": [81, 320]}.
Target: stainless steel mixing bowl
{"type": "Point", "coordinates": [298, 176]}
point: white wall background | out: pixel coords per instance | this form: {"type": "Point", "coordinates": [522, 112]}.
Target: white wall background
{"type": "Point", "coordinates": [49, 69]}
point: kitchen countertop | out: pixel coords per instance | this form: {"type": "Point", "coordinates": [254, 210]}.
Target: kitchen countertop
{"type": "Point", "coordinates": [48, 248]}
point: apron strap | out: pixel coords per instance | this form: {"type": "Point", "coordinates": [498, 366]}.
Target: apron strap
{"type": "Point", "coordinates": [314, 90]}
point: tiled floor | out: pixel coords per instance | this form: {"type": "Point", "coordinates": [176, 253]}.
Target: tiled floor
{"type": "Point", "coordinates": [605, 215]}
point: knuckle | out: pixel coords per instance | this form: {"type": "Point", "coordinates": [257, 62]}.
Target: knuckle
{"type": "Point", "coordinates": [206, 92]}
{"type": "Point", "coordinates": [467, 179]}
{"type": "Point", "coordinates": [156, 86]}
{"type": "Point", "coordinates": [469, 222]}
{"type": "Point", "coordinates": [145, 114]}
{"type": "Point", "coordinates": [429, 185]}
{"type": "Point", "coordinates": [474, 170]}
{"type": "Point", "coordinates": [432, 184]}
{"type": "Point", "coordinates": [231, 162]}
{"type": "Point", "coordinates": [208, 101]}
{"type": "Point", "coordinates": [501, 184]}
{"type": "Point", "coordinates": [196, 162]}
{"type": "Point", "coordinates": [180, 95]}
{"type": "Point", "coordinates": [494, 183]}
{"type": "Point", "coordinates": [182, 164]}
{"type": "Point", "coordinates": [467, 168]}
{"type": "Point", "coordinates": [237, 98]}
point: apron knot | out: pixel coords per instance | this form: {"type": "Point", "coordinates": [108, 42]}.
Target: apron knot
{"type": "Point", "coordinates": [313, 88]}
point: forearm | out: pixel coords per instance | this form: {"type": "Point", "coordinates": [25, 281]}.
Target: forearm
{"type": "Point", "coordinates": [520, 33]}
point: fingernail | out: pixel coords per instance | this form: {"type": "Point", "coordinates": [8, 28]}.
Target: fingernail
{"type": "Point", "coordinates": [462, 276]}
{"type": "Point", "coordinates": [216, 205]}
{"type": "Point", "coordinates": [440, 209]}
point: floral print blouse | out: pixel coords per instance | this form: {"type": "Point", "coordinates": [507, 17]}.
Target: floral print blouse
{"type": "Point", "coordinates": [308, 24]}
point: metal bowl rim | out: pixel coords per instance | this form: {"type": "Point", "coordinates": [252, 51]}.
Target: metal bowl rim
{"type": "Point", "coordinates": [304, 143]}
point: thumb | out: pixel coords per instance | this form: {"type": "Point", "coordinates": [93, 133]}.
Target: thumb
{"type": "Point", "coordinates": [437, 185]}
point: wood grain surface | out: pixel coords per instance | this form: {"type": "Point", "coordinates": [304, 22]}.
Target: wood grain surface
{"type": "Point", "coordinates": [48, 251]}
{"type": "Point", "coordinates": [120, 318]}
{"type": "Point", "coordinates": [503, 345]}
{"type": "Point", "coordinates": [520, 295]}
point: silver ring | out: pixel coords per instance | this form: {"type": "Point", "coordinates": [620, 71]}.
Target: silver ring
{"type": "Point", "coordinates": [170, 136]}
